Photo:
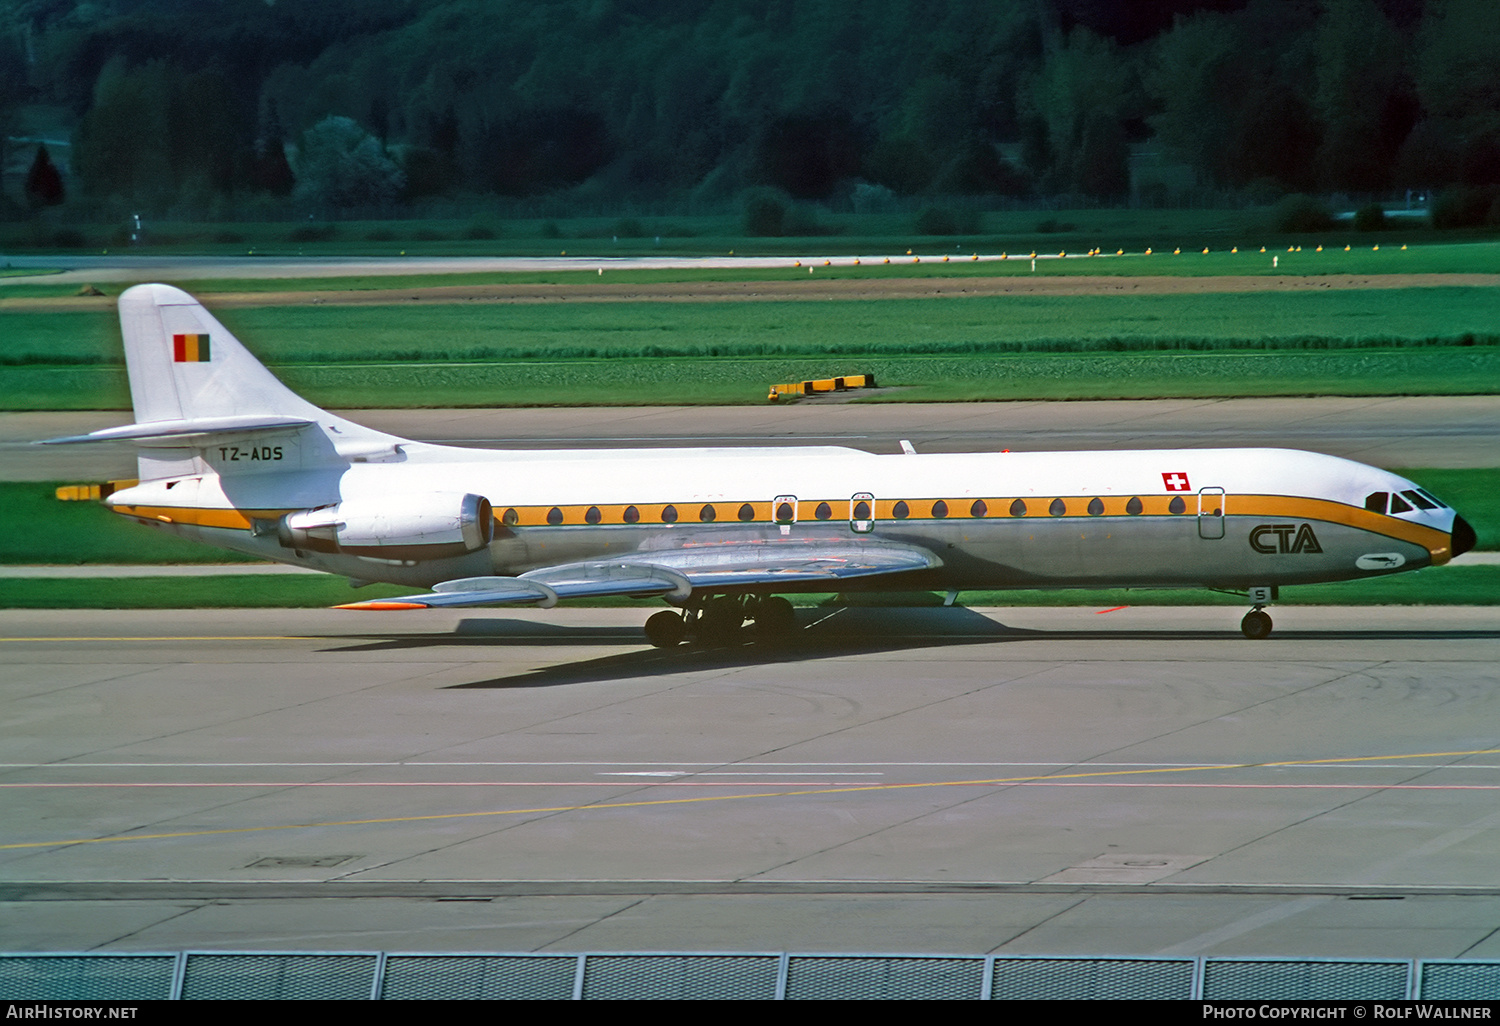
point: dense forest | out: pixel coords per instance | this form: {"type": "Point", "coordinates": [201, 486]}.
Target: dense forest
{"type": "Point", "coordinates": [212, 107]}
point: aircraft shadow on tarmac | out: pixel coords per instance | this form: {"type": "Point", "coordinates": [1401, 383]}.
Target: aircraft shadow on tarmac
{"type": "Point", "coordinates": [825, 634]}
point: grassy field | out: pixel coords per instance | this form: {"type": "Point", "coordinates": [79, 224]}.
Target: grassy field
{"type": "Point", "coordinates": [732, 381]}
{"type": "Point", "coordinates": [1381, 341]}
{"type": "Point", "coordinates": [1439, 258]}
{"type": "Point", "coordinates": [481, 233]}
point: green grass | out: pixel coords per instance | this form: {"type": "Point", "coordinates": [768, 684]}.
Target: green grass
{"type": "Point", "coordinates": [1398, 341]}
{"type": "Point", "coordinates": [1438, 258]}
{"type": "Point", "coordinates": [735, 381]}
{"type": "Point", "coordinates": [1455, 585]}
{"type": "Point", "coordinates": [956, 325]}
{"type": "Point", "coordinates": [838, 233]}
{"type": "Point", "coordinates": [36, 528]}
{"type": "Point", "coordinates": [265, 592]}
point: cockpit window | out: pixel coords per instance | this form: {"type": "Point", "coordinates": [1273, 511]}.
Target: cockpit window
{"type": "Point", "coordinates": [1399, 505]}
{"type": "Point", "coordinates": [1432, 498]}
{"type": "Point", "coordinates": [1375, 502]}
{"type": "Point", "coordinates": [1418, 500]}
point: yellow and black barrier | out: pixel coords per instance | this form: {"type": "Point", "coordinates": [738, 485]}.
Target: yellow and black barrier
{"type": "Point", "coordinates": [817, 386]}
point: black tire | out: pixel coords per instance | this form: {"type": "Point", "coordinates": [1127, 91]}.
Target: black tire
{"type": "Point", "coordinates": [775, 621]}
{"type": "Point", "coordinates": [718, 625]}
{"type": "Point", "coordinates": [665, 629]}
{"type": "Point", "coordinates": [1256, 625]}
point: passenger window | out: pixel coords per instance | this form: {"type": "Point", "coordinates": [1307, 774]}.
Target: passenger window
{"type": "Point", "coordinates": [632, 515]}
{"type": "Point", "coordinates": [511, 518]}
{"type": "Point", "coordinates": [1399, 505]}
{"type": "Point", "coordinates": [707, 514]}
{"type": "Point", "coordinates": [554, 516]}
{"type": "Point", "coordinates": [747, 512]}
{"type": "Point", "coordinates": [979, 509]}
{"type": "Point", "coordinates": [1058, 508]}
{"type": "Point", "coordinates": [940, 509]}
{"type": "Point", "coordinates": [1176, 505]}
{"type": "Point", "coordinates": [785, 514]}
{"type": "Point", "coordinates": [1018, 508]}
{"type": "Point", "coordinates": [593, 516]}
{"type": "Point", "coordinates": [1375, 502]}
{"type": "Point", "coordinates": [900, 511]}
{"type": "Point", "coordinates": [1134, 507]}
{"type": "Point", "coordinates": [1096, 506]}
{"type": "Point", "coordinates": [861, 510]}
{"type": "Point", "coordinates": [824, 511]}
{"type": "Point", "coordinates": [1418, 501]}
{"type": "Point", "coordinates": [669, 515]}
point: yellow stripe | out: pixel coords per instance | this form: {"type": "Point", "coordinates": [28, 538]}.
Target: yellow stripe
{"type": "Point", "coordinates": [1437, 543]}
{"type": "Point", "coordinates": [720, 798]}
{"type": "Point", "coordinates": [235, 519]}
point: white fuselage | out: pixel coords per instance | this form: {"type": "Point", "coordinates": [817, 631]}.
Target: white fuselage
{"type": "Point", "coordinates": [1229, 518]}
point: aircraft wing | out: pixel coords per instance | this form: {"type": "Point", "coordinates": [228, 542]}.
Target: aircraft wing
{"type": "Point", "coordinates": [674, 573]}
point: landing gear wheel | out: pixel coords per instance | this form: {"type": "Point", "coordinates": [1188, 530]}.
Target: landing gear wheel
{"type": "Point", "coordinates": [665, 629]}
{"type": "Point", "coordinates": [718, 625]}
{"type": "Point", "coordinates": [1256, 625]}
{"type": "Point", "coordinates": [775, 621]}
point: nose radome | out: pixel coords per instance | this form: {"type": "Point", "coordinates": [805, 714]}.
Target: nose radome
{"type": "Point", "coordinates": [1463, 536]}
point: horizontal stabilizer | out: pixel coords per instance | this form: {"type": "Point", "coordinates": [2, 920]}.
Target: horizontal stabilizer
{"type": "Point", "coordinates": [183, 433]}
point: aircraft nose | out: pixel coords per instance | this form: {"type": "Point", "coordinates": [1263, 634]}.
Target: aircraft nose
{"type": "Point", "coordinates": [1463, 535]}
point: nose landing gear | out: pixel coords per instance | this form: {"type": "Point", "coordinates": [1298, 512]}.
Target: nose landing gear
{"type": "Point", "coordinates": [1257, 623]}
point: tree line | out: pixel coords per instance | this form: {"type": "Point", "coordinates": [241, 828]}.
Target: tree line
{"type": "Point", "coordinates": [344, 104]}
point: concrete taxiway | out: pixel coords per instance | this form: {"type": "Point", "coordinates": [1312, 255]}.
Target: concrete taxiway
{"type": "Point", "coordinates": [1130, 781]}
{"type": "Point", "coordinates": [1013, 780]}
{"type": "Point", "coordinates": [1388, 431]}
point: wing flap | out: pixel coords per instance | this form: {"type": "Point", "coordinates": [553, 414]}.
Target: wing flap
{"type": "Point", "coordinates": [543, 587]}
{"type": "Point", "coordinates": [579, 580]}
{"type": "Point", "coordinates": [749, 563]}
{"type": "Point", "coordinates": [674, 574]}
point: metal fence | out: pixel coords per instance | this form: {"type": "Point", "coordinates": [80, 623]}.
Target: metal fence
{"type": "Point", "coordinates": [271, 975]}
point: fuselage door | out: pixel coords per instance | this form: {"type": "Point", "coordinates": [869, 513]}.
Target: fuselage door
{"type": "Point", "coordinates": [784, 512]}
{"type": "Point", "coordinates": [861, 512]}
{"type": "Point", "coordinates": [1210, 513]}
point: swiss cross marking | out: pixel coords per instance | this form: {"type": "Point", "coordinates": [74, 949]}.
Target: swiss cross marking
{"type": "Point", "coordinates": [1176, 482]}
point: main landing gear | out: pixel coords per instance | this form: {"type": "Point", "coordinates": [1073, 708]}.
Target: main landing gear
{"type": "Point", "coordinates": [720, 622]}
{"type": "Point", "coordinates": [1257, 623]}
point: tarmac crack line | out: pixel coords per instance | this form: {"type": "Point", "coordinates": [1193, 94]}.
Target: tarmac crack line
{"type": "Point", "coordinates": [852, 789]}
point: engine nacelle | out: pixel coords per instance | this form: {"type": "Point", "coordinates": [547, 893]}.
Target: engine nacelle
{"type": "Point", "coordinates": [428, 525]}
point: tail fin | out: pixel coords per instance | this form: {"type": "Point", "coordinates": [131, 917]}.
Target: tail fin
{"type": "Point", "coordinates": [202, 402]}
{"type": "Point", "coordinates": [186, 366]}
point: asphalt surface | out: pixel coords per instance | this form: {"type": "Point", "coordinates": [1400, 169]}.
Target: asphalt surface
{"type": "Point", "coordinates": [1139, 781]}
{"type": "Point", "coordinates": [1388, 431]}
{"type": "Point", "coordinates": [1047, 781]}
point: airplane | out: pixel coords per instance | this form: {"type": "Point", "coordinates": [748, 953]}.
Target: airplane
{"type": "Point", "coordinates": [230, 456]}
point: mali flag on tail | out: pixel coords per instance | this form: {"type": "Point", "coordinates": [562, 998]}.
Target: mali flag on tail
{"type": "Point", "coordinates": [190, 349]}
